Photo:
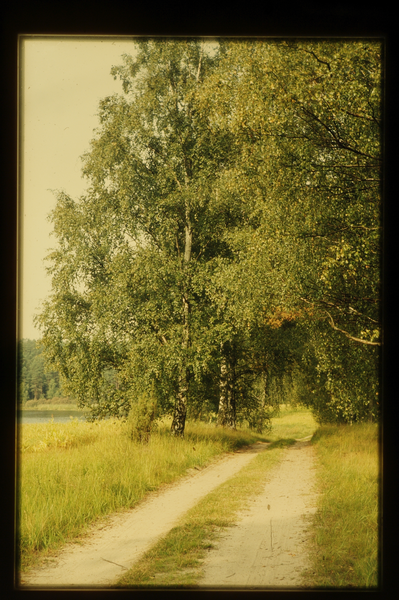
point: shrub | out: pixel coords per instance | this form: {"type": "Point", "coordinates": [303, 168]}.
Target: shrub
{"type": "Point", "coordinates": [259, 419]}
{"type": "Point", "coordinates": [142, 419]}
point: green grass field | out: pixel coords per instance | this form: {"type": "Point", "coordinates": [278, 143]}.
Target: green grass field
{"type": "Point", "coordinates": [345, 529]}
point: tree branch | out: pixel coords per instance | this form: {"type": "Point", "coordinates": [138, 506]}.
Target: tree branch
{"type": "Point", "coordinates": [373, 119]}
{"type": "Point", "coordinates": [362, 315]}
{"type": "Point", "coordinates": [199, 63]}
{"type": "Point", "coordinates": [318, 59]}
{"type": "Point", "coordinates": [351, 337]}
{"type": "Point", "coordinates": [340, 142]}
{"type": "Point", "coordinates": [352, 310]}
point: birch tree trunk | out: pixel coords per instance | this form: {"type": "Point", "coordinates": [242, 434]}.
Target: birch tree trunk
{"type": "Point", "coordinates": [227, 408]}
{"type": "Point", "coordinates": [180, 411]}
{"type": "Point", "coordinates": [223, 399]}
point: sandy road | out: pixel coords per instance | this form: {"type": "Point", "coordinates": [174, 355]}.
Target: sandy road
{"type": "Point", "coordinates": [102, 558]}
{"type": "Point", "coordinates": [267, 548]}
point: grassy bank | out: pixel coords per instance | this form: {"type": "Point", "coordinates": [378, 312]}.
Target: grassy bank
{"type": "Point", "coordinates": [71, 474]}
{"type": "Point", "coordinates": [52, 407]}
{"type": "Point", "coordinates": [345, 528]}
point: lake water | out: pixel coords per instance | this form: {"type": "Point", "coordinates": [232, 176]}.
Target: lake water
{"type": "Point", "coordinates": [44, 416]}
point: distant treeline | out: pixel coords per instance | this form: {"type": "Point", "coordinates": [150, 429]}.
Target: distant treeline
{"type": "Point", "coordinates": [33, 381]}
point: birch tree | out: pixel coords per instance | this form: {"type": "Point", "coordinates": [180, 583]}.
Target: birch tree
{"type": "Point", "coordinates": [128, 276]}
{"type": "Point", "coordinates": [308, 118]}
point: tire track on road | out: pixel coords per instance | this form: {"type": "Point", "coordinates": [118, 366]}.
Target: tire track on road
{"type": "Point", "coordinates": [268, 547]}
{"type": "Point", "coordinates": [102, 558]}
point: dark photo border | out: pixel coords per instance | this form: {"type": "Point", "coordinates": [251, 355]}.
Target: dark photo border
{"type": "Point", "coordinates": [308, 19]}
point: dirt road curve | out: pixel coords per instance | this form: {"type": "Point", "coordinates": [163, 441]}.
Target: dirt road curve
{"type": "Point", "coordinates": [108, 552]}
{"type": "Point", "coordinates": [268, 546]}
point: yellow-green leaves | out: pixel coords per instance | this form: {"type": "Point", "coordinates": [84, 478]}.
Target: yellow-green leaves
{"type": "Point", "coordinates": [234, 199]}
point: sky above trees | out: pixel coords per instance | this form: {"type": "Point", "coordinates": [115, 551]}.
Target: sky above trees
{"type": "Point", "coordinates": [62, 80]}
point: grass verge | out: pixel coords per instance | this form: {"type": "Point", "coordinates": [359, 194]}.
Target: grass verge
{"type": "Point", "coordinates": [345, 528]}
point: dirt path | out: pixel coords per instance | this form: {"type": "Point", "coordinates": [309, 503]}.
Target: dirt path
{"type": "Point", "coordinates": [268, 546]}
{"type": "Point", "coordinates": [102, 558]}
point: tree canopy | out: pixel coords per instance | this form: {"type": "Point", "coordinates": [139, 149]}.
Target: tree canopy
{"type": "Point", "coordinates": [229, 238]}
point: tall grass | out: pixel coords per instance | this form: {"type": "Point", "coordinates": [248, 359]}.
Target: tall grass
{"type": "Point", "coordinates": [71, 474]}
{"type": "Point", "coordinates": [345, 528]}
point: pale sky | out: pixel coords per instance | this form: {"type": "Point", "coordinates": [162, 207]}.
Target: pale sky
{"type": "Point", "coordinates": [61, 82]}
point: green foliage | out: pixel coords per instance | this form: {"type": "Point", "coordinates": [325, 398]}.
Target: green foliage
{"type": "Point", "coordinates": [128, 274]}
{"type": "Point", "coordinates": [142, 418]}
{"type": "Point", "coordinates": [259, 419]}
{"type": "Point", "coordinates": [230, 232]}
{"type": "Point", "coordinates": [34, 382]}
{"type": "Point", "coordinates": [340, 379]}
{"type": "Point", "coordinates": [308, 116]}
